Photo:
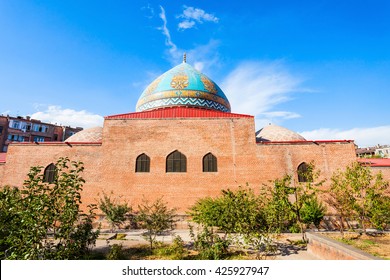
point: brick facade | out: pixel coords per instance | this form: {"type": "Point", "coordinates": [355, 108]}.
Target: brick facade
{"type": "Point", "coordinates": [110, 165]}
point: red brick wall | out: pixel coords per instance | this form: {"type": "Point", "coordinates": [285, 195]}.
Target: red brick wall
{"type": "Point", "coordinates": [111, 166]}
{"type": "Point", "coordinates": [20, 157]}
{"type": "Point", "coordinates": [385, 171]}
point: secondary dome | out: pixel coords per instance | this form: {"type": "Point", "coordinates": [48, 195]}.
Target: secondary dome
{"type": "Point", "coordinates": [93, 134]}
{"type": "Point", "coordinates": [183, 86]}
{"type": "Point", "coordinates": [277, 133]}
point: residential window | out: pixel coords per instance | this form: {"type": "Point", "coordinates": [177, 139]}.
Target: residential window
{"type": "Point", "coordinates": [142, 163]}
{"type": "Point", "coordinates": [50, 173]}
{"type": "Point", "coordinates": [305, 173]}
{"type": "Point", "coordinates": [14, 137]}
{"type": "Point", "coordinates": [39, 139]}
{"type": "Point", "coordinates": [42, 128]}
{"type": "Point", "coordinates": [15, 124]}
{"type": "Point", "coordinates": [176, 162]}
{"type": "Point", "coordinates": [210, 163]}
{"type": "Point", "coordinates": [1, 130]}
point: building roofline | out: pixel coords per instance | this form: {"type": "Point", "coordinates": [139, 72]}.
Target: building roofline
{"type": "Point", "coordinates": [374, 162]}
{"type": "Point", "coordinates": [54, 143]}
{"type": "Point", "coordinates": [304, 142]}
{"type": "Point", "coordinates": [177, 112]}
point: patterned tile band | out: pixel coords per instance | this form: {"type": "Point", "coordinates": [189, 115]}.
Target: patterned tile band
{"type": "Point", "coordinates": [191, 94]}
{"type": "Point", "coordinates": [185, 101]}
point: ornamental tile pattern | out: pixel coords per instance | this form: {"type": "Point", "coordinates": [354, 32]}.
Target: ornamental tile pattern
{"type": "Point", "coordinates": [183, 86]}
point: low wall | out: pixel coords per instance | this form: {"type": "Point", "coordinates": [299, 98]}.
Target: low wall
{"type": "Point", "coordinates": [329, 249]}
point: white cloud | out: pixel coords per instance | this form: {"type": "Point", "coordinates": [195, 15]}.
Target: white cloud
{"type": "Point", "coordinates": [173, 51]}
{"type": "Point", "coordinates": [186, 24]}
{"type": "Point", "coordinates": [192, 15]}
{"type": "Point", "coordinates": [257, 87]}
{"type": "Point", "coordinates": [149, 9]}
{"type": "Point", "coordinates": [363, 136]}
{"type": "Point", "coordinates": [202, 57]}
{"type": "Point", "coordinates": [55, 114]}
{"type": "Point", "coordinates": [281, 114]}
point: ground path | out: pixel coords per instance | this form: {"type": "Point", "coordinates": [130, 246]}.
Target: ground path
{"type": "Point", "coordinates": [135, 238]}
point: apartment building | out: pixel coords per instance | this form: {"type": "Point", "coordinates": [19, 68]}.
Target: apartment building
{"type": "Point", "coordinates": [20, 129]}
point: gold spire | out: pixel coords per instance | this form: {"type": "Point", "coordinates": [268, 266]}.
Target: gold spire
{"type": "Point", "coordinates": [184, 58]}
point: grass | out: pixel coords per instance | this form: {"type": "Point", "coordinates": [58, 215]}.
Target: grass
{"type": "Point", "coordinates": [377, 245]}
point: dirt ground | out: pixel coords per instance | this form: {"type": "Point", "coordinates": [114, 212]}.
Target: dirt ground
{"type": "Point", "coordinates": [287, 246]}
{"type": "Point", "coordinates": [377, 244]}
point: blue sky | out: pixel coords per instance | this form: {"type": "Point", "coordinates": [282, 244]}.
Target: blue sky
{"type": "Point", "coordinates": [321, 68]}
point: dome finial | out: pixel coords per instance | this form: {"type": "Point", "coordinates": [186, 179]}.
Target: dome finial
{"type": "Point", "coordinates": [184, 58]}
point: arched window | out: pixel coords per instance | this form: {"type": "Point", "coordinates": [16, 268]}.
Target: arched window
{"type": "Point", "coordinates": [209, 163]}
{"type": "Point", "coordinates": [305, 173]}
{"type": "Point", "coordinates": [176, 162]}
{"type": "Point", "coordinates": [49, 175]}
{"type": "Point", "coordinates": [142, 163]}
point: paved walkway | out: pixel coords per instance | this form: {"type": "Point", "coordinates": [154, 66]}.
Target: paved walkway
{"type": "Point", "coordinates": [134, 238]}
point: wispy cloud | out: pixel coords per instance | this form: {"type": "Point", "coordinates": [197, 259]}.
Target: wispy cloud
{"type": "Point", "coordinates": [55, 114]}
{"type": "Point", "coordinates": [192, 15]}
{"type": "Point", "coordinates": [257, 87]}
{"type": "Point", "coordinates": [149, 9]}
{"type": "Point", "coordinates": [202, 57]}
{"type": "Point", "coordinates": [363, 136]}
{"type": "Point", "coordinates": [172, 48]}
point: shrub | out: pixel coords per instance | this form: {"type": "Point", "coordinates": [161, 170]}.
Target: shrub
{"type": "Point", "coordinates": [44, 220]}
{"type": "Point", "coordinates": [156, 218]}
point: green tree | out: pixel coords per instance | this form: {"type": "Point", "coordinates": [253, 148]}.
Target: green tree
{"type": "Point", "coordinates": [9, 202]}
{"type": "Point", "coordinates": [379, 212]}
{"type": "Point", "coordinates": [312, 212]}
{"type": "Point", "coordinates": [305, 205]}
{"type": "Point", "coordinates": [288, 204]}
{"type": "Point", "coordinates": [238, 214]}
{"type": "Point", "coordinates": [277, 206]}
{"type": "Point", "coordinates": [47, 222]}
{"type": "Point", "coordinates": [233, 212]}
{"type": "Point", "coordinates": [116, 212]}
{"type": "Point", "coordinates": [156, 218]}
{"type": "Point", "coordinates": [359, 194]}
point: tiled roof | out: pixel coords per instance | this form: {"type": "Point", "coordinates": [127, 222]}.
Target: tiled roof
{"type": "Point", "coordinates": [272, 133]}
{"type": "Point", "coordinates": [375, 162]}
{"type": "Point", "coordinates": [93, 134]}
{"type": "Point", "coordinates": [3, 157]}
{"type": "Point", "coordinates": [178, 112]}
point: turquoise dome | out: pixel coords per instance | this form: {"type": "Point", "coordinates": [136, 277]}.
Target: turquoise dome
{"type": "Point", "coordinates": [183, 86]}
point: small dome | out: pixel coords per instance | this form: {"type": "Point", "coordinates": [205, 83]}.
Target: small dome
{"type": "Point", "coordinates": [93, 134]}
{"type": "Point", "coordinates": [183, 86]}
{"type": "Point", "coordinates": [277, 133]}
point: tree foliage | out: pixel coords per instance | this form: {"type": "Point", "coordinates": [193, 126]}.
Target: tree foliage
{"type": "Point", "coordinates": [357, 193]}
{"type": "Point", "coordinates": [312, 212]}
{"type": "Point", "coordinates": [44, 220]}
{"type": "Point", "coordinates": [290, 205]}
{"type": "Point", "coordinates": [116, 212]}
{"type": "Point", "coordinates": [238, 214]}
{"type": "Point", "coordinates": [278, 209]}
{"type": "Point", "coordinates": [156, 218]}
{"type": "Point", "coordinates": [233, 212]}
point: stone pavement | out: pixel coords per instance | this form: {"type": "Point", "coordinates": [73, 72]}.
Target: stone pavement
{"type": "Point", "coordinates": [134, 237]}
